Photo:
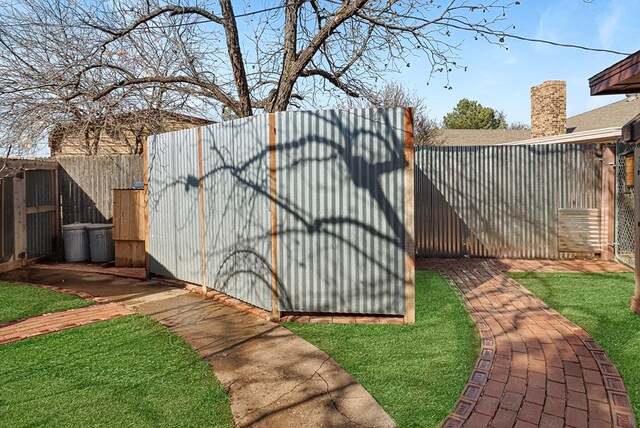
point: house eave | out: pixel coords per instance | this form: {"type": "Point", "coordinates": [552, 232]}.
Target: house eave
{"type": "Point", "coordinates": [622, 77]}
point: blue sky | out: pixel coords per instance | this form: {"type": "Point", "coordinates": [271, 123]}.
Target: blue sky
{"type": "Point", "coordinates": [501, 78]}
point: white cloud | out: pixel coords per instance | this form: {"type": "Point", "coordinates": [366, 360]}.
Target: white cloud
{"type": "Point", "coordinates": [609, 25]}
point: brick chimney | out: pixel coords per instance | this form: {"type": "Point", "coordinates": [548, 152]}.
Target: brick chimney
{"type": "Point", "coordinates": [549, 109]}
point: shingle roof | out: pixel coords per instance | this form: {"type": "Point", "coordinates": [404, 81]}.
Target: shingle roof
{"type": "Point", "coordinates": [479, 137]}
{"type": "Point", "coordinates": [614, 114]}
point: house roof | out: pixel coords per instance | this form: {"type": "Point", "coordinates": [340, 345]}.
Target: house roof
{"type": "Point", "coordinates": [479, 137]}
{"type": "Point", "coordinates": [611, 115]}
{"type": "Point", "coordinates": [622, 77]}
{"type": "Point", "coordinates": [597, 125]}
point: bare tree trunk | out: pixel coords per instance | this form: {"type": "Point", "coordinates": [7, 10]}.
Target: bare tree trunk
{"type": "Point", "coordinates": [235, 55]}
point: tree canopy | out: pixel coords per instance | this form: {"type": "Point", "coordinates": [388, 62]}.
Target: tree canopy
{"type": "Point", "coordinates": [393, 95]}
{"type": "Point", "coordinates": [82, 61]}
{"type": "Point", "coordinates": [468, 114]}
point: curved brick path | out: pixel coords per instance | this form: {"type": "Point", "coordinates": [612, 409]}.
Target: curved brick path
{"type": "Point", "coordinates": [38, 325]}
{"type": "Point", "coordinates": [536, 368]}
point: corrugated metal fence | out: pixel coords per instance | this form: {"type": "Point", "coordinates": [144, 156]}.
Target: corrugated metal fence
{"type": "Point", "coordinates": [501, 201]}
{"type": "Point", "coordinates": [336, 213]}
{"type": "Point", "coordinates": [7, 220]}
{"type": "Point", "coordinates": [85, 184]}
{"type": "Point", "coordinates": [41, 212]}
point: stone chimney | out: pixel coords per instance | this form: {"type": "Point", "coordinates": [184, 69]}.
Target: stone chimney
{"type": "Point", "coordinates": [549, 109]}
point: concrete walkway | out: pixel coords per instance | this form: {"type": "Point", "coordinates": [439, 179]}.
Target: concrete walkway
{"type": "Point", "coordinates": [273, 377]}
{"type": "Point", "coordinates": [536, 368]}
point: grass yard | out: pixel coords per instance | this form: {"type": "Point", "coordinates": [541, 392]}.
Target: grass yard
{"type": "Point", "coordinates": [126, 372]}
{"type": "Point", "coordinates": [599, 303]}
{"type": "Point", "coordinates": [21, 301]}
{"type": "Point", "coordinates": [415, 372]}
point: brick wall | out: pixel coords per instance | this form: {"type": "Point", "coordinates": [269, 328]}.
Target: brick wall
{"type": "Point", "coordinates": [549, 109]}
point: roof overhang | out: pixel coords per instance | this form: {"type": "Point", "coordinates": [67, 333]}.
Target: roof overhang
{"type": "Point", "coordinates": [621, 78]}
{"type": "Point", "coordinates": [603, 135]}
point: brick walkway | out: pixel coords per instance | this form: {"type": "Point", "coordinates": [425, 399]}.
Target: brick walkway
{"type": "Point", "coordinates": [56, 321]}
{"type": "Point", "coordinates": [536, 368]}
{"type": "Point", "coordinates": [520, 265]}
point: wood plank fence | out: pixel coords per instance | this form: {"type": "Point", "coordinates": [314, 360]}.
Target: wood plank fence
{"type": "Point", "coordinates": [86, 184]}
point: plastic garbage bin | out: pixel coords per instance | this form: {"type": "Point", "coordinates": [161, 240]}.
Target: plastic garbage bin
{"type": "Point", "coordinates": [76, 242]}
{"type": "Point", "coordinates": [101, 242]}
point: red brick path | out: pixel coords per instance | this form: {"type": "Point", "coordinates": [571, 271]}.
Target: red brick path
{"type": "Point", "coordinates": [520, 265]}
{"type": "Point", "coordinates": [535, 368]}
{"type": "Point", "coordinates": [56, 321]}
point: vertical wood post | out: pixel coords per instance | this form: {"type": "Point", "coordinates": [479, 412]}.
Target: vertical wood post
{"type": "Point", "coordinates": [20, 217]}
{"type": "Point", "coordinates": [635, 300]}
{"type": "Point", "coordinates": [202, 234]}
{"type": "Point", "coordinates": [409, 223]}
{"type": "Point", "coordinates": [145, 180]}
{"type": "Point", "coordinates": [608, 203]}
{"type": "Point", "coordinates": [2, 212]}
{"type": "Point", "coordinates": [275, 312]}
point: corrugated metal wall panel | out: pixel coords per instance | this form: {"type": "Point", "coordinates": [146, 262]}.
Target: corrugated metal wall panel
{"type": "Point", "coordinates": [174, 208]}
{"type": "Point", "coordinates": [340, 199]}
{"type": "Point", "coordinates": [6, 228]}
{"type": "Point", "coordinates": [85, 185]}
{"type": "Point", "coordinates": [40, 226]}
{"type": "Point", "coordinates": [38, 187]}
{"type": "Point", "coordinates": [40, 234]}
{"type": "Point", "coordinates": [237, 209]}
{"type": "Point", "coordinates": [501, 201]}
{"type": "Point", "coordinates": [341, 211]}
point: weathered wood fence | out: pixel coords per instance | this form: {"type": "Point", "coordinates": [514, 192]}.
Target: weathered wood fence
{"type": "Point", "coordinates": [86, 184]}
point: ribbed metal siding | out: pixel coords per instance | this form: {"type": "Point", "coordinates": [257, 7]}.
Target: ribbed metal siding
{"type": "Point", "coordinates": [501, 201]}
{"type": "Point", "coordinates": [174, 206]}
{"type": "Point", "coordinates": [7, 220]}
{"type": "Point", "coordinates": [40, 229]}
{"type": "Point", "coordinates": [341, 211]}
{"type": "Point", "coordinates": [237, 209]}
{"type": "Point", "coordinates": [85, 184]}
{"type": "Point", "coordinates": [38, 187]}
{"type": "Point", "coordinates": [40, 234]}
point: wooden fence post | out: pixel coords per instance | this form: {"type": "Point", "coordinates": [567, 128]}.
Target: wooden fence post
{"type": "Point", "coordinates": [409, 242]}
{"type": "Point", "coordinates": [635, 300]}
{"type": "Point", "coordinates": [202, 231]}
{"type": "Point", "coordinates": [145, 178]}
{"type": "Point", "coordinates": [20, 218]}
{"type": "Point", "coordinates": [608, 203]}
{"type": "Point", "coordinates": [275, 312]}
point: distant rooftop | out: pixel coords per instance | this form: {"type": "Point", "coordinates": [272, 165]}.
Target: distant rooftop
{"type": "Point", "coordinates": [479, 137]}
{"type": "Point", "coordinates": [611, 115]}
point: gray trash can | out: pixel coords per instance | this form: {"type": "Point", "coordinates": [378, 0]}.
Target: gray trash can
{"type": "Point", "coordinates": [101, 242]}
{"type": "Point", "coordinates": [76, 242]}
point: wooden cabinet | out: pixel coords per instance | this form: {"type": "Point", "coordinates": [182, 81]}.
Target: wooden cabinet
{"type": "Point", "coordinates": [129, 228]}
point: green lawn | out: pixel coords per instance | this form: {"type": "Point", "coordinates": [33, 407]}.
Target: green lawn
{"type": "Point", "coordinates": [599, 303]}
{"type": "Point", "coordinates": [126, 372]}
{"type": "Point", "coordinates": [416, 372]}
{"type": "Point", "coordinates": [21, 301]}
